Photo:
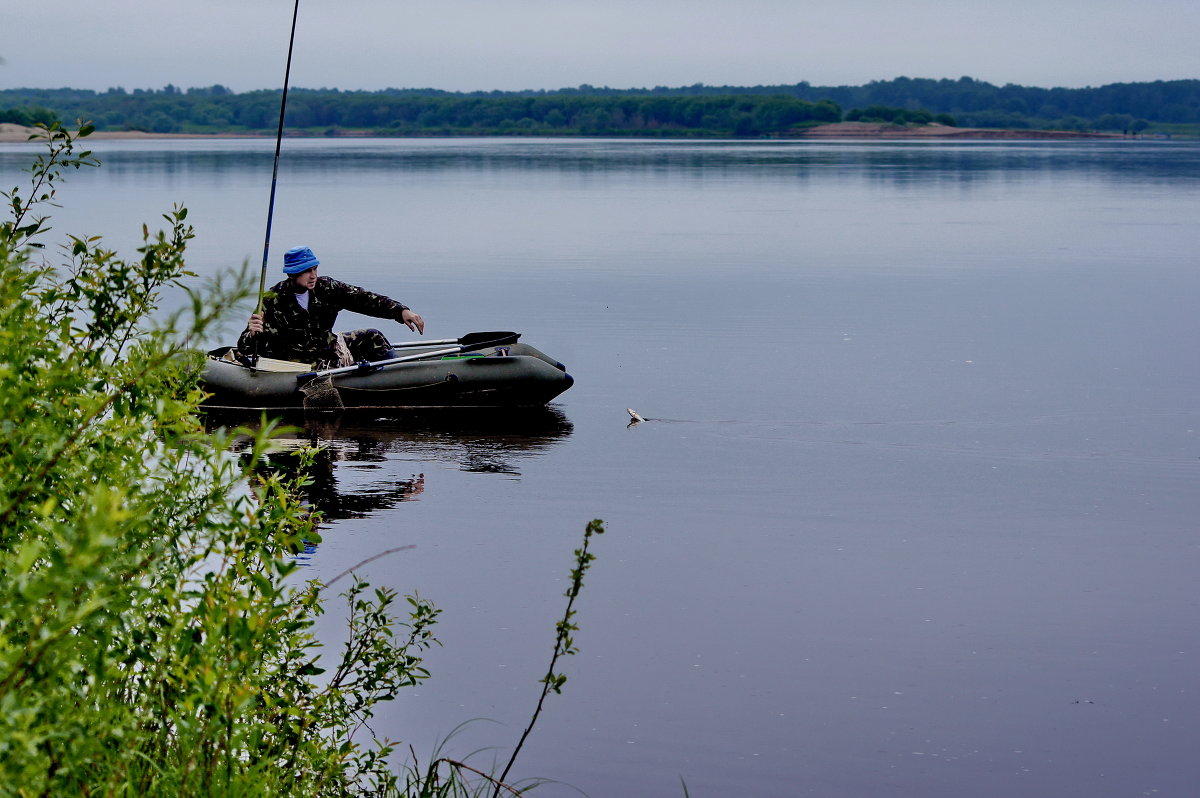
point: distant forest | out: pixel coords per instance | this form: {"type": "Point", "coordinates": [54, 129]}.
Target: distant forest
{"type": "Point", "coordinates": [698, 110]}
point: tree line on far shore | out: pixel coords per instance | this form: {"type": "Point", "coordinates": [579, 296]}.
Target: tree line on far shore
{"type": "Point", "coordinates": [216, 110]}
{"type": "Point", "coordinates": [699, 110]}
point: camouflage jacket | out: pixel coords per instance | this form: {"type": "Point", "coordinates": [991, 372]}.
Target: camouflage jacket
{"type": "Point", "coordinates": [292, 333]}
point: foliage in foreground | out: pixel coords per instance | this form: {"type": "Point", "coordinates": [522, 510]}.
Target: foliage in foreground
{"type": "Point", "coordinates": [150, 643]}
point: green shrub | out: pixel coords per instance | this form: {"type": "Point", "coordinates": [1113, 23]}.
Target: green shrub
{"type": "Point", "coordinates": [28, 116]}
{"type": "Point", "coordinates": [150, 643]}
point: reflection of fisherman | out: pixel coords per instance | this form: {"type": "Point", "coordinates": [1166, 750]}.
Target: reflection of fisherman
{"type": "Point", "coordinates": [298, 315]}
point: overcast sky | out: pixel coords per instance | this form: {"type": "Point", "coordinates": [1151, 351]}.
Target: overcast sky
{"type": "Point", "coordinates": [465, 45]}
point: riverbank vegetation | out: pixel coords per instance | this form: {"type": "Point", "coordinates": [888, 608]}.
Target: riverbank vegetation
{"type": "Point", "coordinates": [155, 637]}
{"type": "Point", "coordinates": [698, 110]}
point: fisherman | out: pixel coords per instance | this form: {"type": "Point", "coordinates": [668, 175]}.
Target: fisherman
{"type": "Point", "coordinates": [298, 315]}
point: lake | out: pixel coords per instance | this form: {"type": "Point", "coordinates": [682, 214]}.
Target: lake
{"type": "Point", "coordinates": [914, 508]}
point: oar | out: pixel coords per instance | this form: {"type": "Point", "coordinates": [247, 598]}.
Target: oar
{"type": "Point", "coordinates": [507, 338]}
{"type": "Point", "coordinates": [499, 337]}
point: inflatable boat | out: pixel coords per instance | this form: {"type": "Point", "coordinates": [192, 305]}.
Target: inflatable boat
{"type": "Point", "coordinates": [472, 373]}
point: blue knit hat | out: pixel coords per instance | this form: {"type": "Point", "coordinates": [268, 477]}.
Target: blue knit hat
{"type": "Point", "coordinates": [299, 259]}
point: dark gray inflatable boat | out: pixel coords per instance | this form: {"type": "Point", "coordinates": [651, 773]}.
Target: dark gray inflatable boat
{"type": "Point", "coordinates": [511, 375]}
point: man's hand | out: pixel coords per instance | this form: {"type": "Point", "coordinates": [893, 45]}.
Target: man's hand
{"type": "Point", "coordinates": [413, 320]}
{"type": "Point", "coordinates": [255, 325]}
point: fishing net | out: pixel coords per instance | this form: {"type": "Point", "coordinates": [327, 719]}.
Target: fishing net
{"type": "Point", "coordinates": [321, 396]}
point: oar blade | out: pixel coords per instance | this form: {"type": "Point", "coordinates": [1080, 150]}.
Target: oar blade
{"type": "Point", "coordinates": [496, 338]}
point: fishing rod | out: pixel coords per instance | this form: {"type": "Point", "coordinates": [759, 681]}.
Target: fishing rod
{"type": "Point", "coordinates": [287, 73]}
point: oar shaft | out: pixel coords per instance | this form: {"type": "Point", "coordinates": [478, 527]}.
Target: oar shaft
{"type": "Point", "coordinates": [435, 353]}
{"type": "Point", "coordinates": [466, 344]}
{"type": "Point", "coordinates": [312, 375]}
{"type": "Point", "coordinates": [438, 342]}
{"type": "Point", "coordinates": [470, 339]}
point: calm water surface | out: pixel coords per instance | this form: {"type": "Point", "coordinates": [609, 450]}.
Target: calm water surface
{"type": "Point", "coordinates": [915, 509]}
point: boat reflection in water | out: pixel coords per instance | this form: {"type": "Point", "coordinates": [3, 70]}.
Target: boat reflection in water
{"type": "Point", "coordinates": [359, 468]}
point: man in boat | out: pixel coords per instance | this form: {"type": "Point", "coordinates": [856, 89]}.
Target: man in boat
{"type": "Point", "coordinates": [298, 315]}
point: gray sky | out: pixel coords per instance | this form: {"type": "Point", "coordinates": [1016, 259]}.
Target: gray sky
{"type": "Point", "coordinates": [520, 44]}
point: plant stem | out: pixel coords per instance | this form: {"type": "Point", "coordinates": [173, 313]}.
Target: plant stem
{"type": "Point", "coordinates": [562, 642]}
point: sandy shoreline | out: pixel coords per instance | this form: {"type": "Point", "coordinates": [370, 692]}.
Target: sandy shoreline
{"type": "Point", "coordinates": [868, 130]}
{"type": "Point", "coordinates": [840, 130]}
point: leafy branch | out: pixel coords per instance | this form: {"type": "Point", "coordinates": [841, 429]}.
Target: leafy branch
{"type": "Point", "coordinates": [564, 643]}
{"type": "Point", "coordinates": [46, 169]}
